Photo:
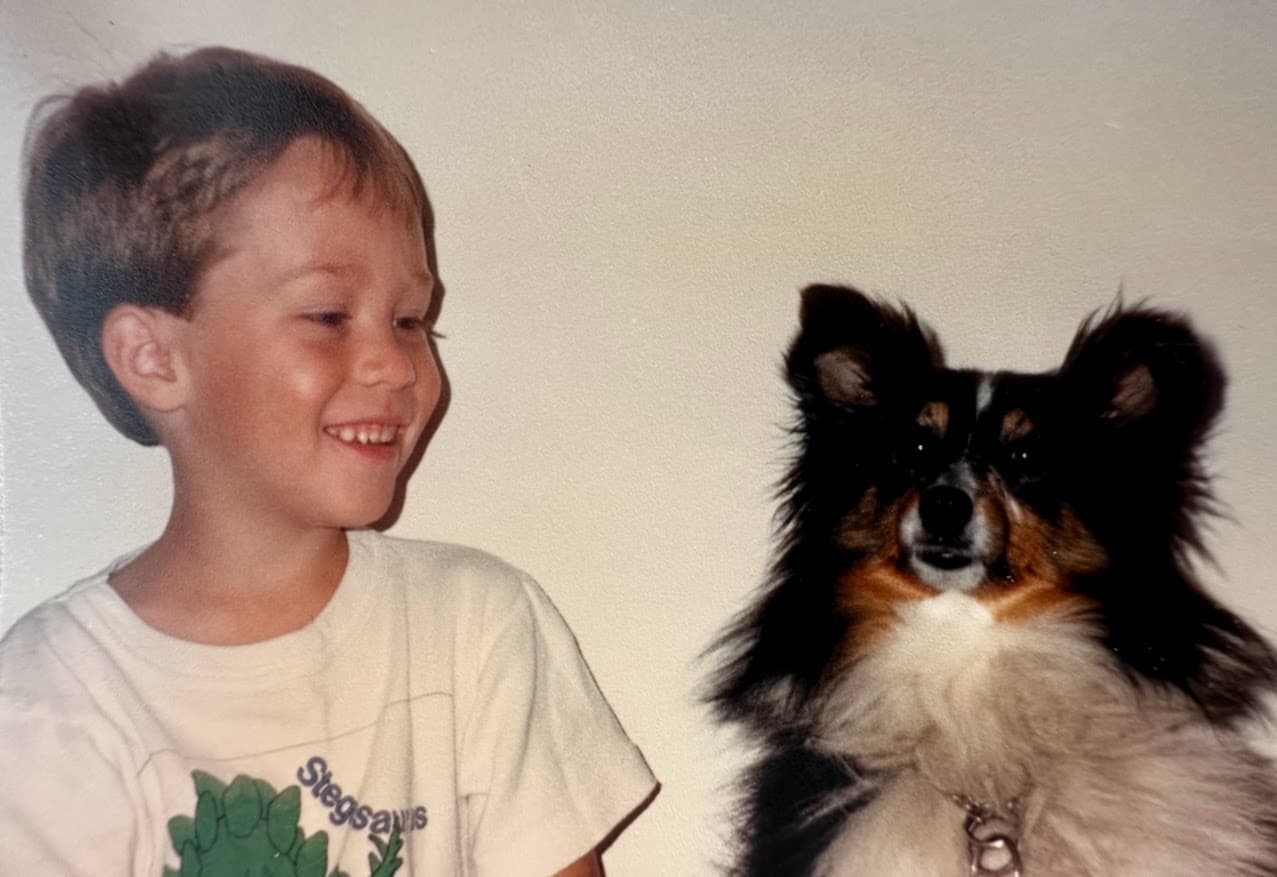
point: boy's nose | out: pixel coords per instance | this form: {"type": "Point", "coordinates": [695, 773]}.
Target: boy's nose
{"type": "Point", "coordinates": [383, 360]}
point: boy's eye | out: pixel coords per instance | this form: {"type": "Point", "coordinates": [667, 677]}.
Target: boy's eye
{"type": "Point", "coordinates": [417, 324]}
{"type": "Point", "coordinates": [411, 323]}
{"type": "Point", "coordinates": [328, 318]}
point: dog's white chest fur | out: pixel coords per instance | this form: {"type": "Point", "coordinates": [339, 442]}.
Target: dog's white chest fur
{"type": "Point", "coordinates": [1110, 781]}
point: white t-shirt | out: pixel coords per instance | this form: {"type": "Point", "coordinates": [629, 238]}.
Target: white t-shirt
{"type": "Point", "coordinates": [436, 715]}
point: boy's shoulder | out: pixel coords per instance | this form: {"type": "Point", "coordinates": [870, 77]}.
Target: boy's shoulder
{"type": "Point", "coordinates": [27, 639]}
{"type": "Point", "coordinates": [44, 653]}
{"type": "Point", "coordinates": [53, 619]}
{"type": "Point", "coordinates": [441, 566]}
{"type": "Point", "coordinates": [441, 575]}
{"type": "Point", "coordinates": [441, 557]}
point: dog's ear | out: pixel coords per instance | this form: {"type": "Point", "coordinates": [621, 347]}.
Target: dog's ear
{"type": "Point", "coordinates": [853, 351]}
{"type": "Point", "coordinates": [1145, 373]}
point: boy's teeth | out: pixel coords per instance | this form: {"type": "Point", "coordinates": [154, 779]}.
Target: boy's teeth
{"type": "Point", "coordinates": [377, 435]}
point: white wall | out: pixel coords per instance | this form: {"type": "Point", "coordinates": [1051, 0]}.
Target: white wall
{"type": "Point", "coordinates": [629, 195]}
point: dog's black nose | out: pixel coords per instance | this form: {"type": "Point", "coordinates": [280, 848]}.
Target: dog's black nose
{"type": "Point", "coordinates": [945, 511]}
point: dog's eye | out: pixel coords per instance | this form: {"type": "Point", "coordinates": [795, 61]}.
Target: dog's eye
{"type": "Point", "coordinates": [922, 448]}
{"type": "Point", "coordinates": [1022, 458]}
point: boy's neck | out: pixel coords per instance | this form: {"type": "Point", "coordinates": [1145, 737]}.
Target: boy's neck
{"type": "Point", "coordinates": [232, 586]}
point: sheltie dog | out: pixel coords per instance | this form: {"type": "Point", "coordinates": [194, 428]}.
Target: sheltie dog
{"type": "Point", "coordinates": [983, 649]}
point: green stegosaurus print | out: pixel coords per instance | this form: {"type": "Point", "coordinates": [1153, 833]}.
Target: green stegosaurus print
{"type": "Point", "coordinates": [247, 829]}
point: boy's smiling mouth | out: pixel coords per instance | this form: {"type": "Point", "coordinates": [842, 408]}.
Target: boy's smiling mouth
{"type": "Point", "coordinates": [364, 433]}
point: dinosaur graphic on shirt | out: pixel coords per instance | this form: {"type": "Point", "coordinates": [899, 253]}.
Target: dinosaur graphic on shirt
{"type": "Point", "coordinates": [247, 828]}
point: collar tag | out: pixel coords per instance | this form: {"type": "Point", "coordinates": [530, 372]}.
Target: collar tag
{"type": "Point", "coordinates": [992, 838]}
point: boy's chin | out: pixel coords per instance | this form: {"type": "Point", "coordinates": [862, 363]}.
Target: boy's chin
{"type": "Point", "coordinates": [378, 515]}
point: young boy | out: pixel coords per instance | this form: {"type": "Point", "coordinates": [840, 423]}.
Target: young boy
{"type": "Point", "coordinates": [231, 255]}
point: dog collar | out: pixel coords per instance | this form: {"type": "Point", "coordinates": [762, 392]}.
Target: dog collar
{"type": "Point", "coordinates": [993, 832]}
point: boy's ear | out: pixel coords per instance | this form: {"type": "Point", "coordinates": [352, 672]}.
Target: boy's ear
{"type": "Point", "coordinates": [1145, 369]}
{"type": "Point", "coordinates": [140, 346]}
{"type": "Point", "coordinates": [852, 350]}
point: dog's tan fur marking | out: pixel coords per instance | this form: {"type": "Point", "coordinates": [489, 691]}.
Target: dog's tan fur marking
{"type": "Point", "coordinates": [1015, 424]}
{"type": "Point", "coordinates": [871, 593]}
{"type": "Point", "coordinates": [1042, 557]}
{"type": "Point", "coordinates": [935, 417]}
{"type": "Point", "coordinates": [863, 529]}
{"type": "Point", "coordinates": [1031, 598]}
{"type": "Point", "coordinates": [1054, 552]}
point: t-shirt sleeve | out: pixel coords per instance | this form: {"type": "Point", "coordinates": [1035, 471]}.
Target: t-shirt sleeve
{"type": "Point", "coordinates": [546, 771]}
{"type": "Point", "coordinates": [65, 801]}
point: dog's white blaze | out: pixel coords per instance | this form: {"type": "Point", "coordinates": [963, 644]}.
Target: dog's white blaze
{"type": "Point", "coordinates": [984, 394]}
{"type": "Point", "coordinates": [1113, 782]}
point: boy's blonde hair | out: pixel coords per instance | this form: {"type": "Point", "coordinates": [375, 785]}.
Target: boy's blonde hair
{"type": "Point", "coordinates": [123, 181]}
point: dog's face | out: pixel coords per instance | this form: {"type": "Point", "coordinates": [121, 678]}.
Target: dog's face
{"type": "Point", "coordinates": [971, 478]}
{"type": "Point", "coordinates": [974, 481]}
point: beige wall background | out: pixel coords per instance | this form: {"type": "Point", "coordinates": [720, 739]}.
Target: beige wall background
{"type": "Point", "coordinates": [629, 196]}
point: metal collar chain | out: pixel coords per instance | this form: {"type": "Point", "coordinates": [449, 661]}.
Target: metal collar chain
{"type": "Point", "coordinates": [992, 837]}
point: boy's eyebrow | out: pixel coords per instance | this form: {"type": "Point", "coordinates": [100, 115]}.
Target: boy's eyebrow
{"type": "Point", "coordinates": [344, 270]}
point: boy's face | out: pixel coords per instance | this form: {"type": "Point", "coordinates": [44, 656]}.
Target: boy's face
{"type": "Point", "coordinates": [308, 357]}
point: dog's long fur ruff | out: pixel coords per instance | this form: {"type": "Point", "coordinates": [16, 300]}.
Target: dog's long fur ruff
{"type": "Point", "coordinates": [984, 594]}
